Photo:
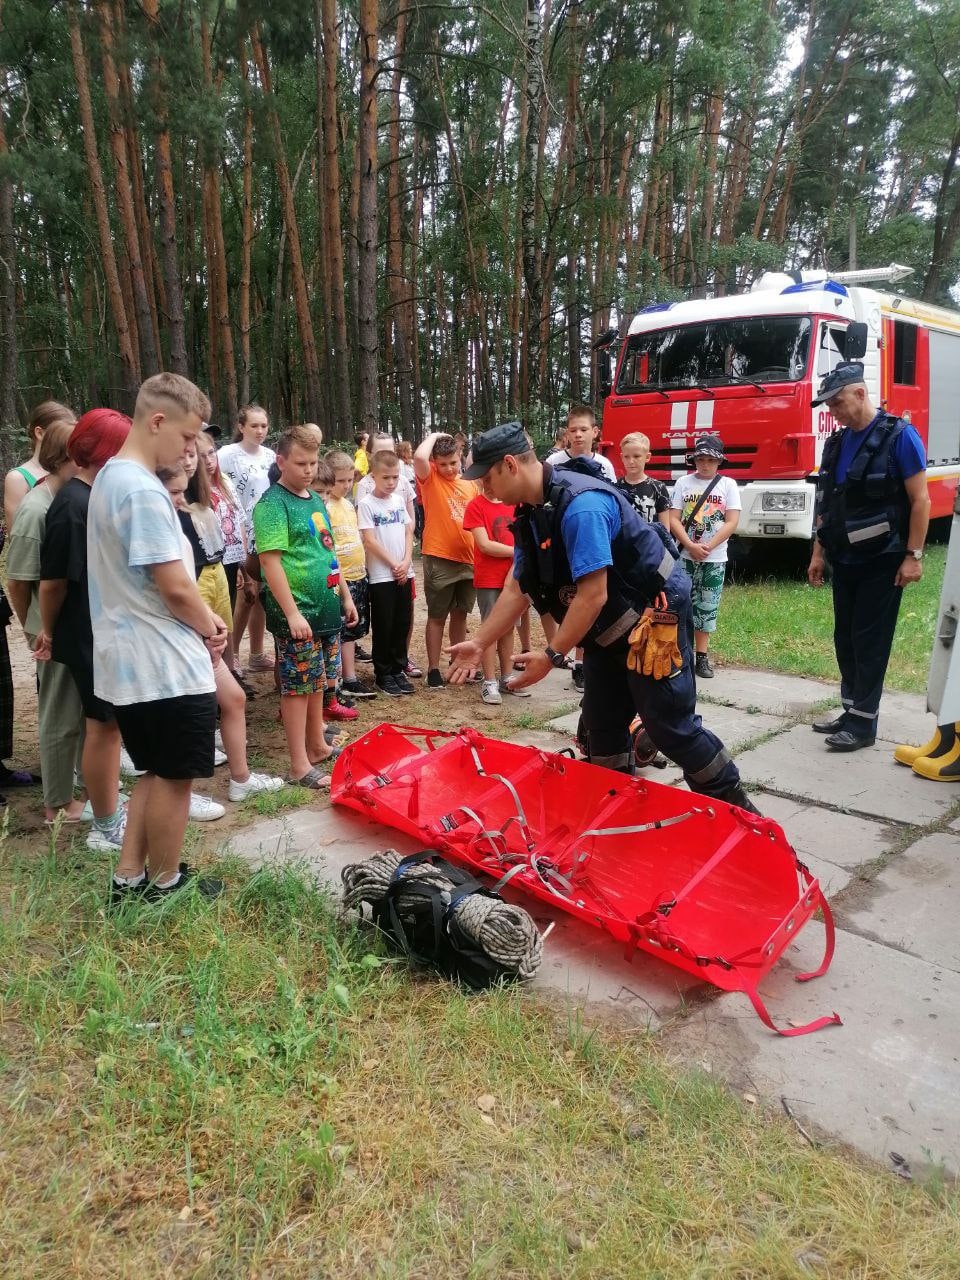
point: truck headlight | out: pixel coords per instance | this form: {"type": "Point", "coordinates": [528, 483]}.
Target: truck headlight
{"type": "Point", "coordinates": [783, 502]}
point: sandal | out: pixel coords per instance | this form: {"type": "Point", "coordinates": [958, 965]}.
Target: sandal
{"type": "Point", "coordinates": [315, 780]}
{"type": "Point", "coordinates": [334, 754]}
{"type": "Point", "coordinates": [19, 778]}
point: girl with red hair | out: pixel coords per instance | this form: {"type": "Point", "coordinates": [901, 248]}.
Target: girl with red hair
{"type": "Point", "coordinates": [66, 634]}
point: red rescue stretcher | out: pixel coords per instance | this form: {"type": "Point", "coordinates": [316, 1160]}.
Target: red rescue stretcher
{"type": "Point", "coordinates": [699, 883]}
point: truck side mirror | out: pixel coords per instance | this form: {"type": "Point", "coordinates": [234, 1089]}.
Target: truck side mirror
{"type": "Point", "coordinates": [855, 341]}
{"type": "Point", "coordinates": [604, 372]}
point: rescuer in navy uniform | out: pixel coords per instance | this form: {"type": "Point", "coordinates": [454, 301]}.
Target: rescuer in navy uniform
{"type": "Point", "coordinates": [872, 513]}
{"type": "Point", "coordinates": [613, 583]}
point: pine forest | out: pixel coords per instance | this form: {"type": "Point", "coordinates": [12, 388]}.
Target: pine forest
{"type": "Point", "coordinates": [420, 214]}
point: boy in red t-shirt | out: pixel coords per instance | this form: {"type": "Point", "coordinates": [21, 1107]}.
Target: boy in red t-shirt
{"type": "Point", "coordinates": [489, 522]}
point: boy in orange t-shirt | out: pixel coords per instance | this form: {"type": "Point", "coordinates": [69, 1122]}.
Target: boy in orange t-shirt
{"type": "Point", "coordinates": [447, 548]}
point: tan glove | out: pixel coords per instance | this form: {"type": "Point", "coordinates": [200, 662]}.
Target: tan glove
{"type": "Point", "coordinates": [654, 650]}
{"type": "Point", "coordinates": [638, 643]}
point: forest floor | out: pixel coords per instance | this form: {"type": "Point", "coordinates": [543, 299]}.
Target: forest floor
{"type": "Point", "coordinates": [254, 1088]}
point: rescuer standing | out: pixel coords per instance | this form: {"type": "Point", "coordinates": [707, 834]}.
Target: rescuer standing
{"type": "Point", "coordinates": [871, 521]}
{"type": "Point", "coordinates": [613, 583]}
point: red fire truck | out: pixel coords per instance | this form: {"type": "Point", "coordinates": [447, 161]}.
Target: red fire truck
{"type": "Point", "coordinates": [748, 366]}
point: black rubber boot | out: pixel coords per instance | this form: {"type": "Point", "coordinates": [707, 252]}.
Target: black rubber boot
{"type": "Point", "coordinates": [736, 795]}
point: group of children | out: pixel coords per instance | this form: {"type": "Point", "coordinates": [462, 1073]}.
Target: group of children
{"type": "Point", "coordinates": [140, 552]}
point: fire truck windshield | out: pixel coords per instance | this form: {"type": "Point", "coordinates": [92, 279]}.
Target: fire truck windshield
{"type": "Point", "coordinates": [717, 353]}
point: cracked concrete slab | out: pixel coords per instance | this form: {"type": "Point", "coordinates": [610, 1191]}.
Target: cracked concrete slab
{"type": "Point", "coordinates": [733, 725]}
{"type": "Point", "coordinates": [770, 691]}
{"type": "Point", "coordinates": [833, 845]}
{"type": "Point", "coordinates": [887, 1080]}
{"type": "Point", "coordinates": [867, 781]}
{"type": "Point", "coordinates": [903, 907]}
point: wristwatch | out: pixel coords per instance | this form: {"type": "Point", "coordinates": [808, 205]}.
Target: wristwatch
{"type": "Point", "coordinates": [557, 659]}
{"type": "Point", "coordinates": [917, 555]}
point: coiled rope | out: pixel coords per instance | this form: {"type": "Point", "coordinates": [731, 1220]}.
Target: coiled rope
{"type": "Point", "coordinates": [504, 932]}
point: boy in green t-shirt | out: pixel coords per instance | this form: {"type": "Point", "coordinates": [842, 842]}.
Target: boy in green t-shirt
{"type": "Point", "coordinates": [303, 599]}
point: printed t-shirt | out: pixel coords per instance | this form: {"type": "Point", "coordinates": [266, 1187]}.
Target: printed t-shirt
{"type": "Point", "coordinates": [494, 518]}
{"type": "Point", "coordinates": [299, 528]}
{"type": "Point", "coordinates": [404, 488]}
{"type": "Point", "coordinates": [141, 652]}
{"type": "Point", "coordinates": [247, 472]}
{"type": "Point", "coordinates": [346, 539]}
{"type": "Point", "coordinates": [648, 497]}
{"type": "Point", "coordinates": [724, 497]}
{"type": "Point", "coordinates": [230, 516]}
{"type": "Point", "coordinates": [23, 549]}
{"type": "Point", "coordinates": [388, 518]}
{"type": "Point", "coordinates": [444, 502]}
{"type": "Point", "coordinates": [64, 556]}
{"type": "Point", "coordinates": [560, 456]}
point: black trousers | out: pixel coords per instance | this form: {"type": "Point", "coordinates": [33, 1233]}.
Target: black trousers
{"type": "Point", "coordinates": [391, 607]}
{"type": "Point", "coordinates": [668, 708]}
{"type": "Point", "coordinates": [865, 607]}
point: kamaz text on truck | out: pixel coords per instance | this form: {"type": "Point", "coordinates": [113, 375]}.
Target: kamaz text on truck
{"type": "Point", "coordinates": [747, 367]}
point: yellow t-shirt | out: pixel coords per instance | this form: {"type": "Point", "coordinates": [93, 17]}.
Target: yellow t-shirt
{"type": "Point", "coordinates": [361, 462]}
{"type": "Point", "coordinates": [346, 539]}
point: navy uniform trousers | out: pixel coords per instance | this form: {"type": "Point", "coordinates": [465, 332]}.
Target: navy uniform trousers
{"type": "Point", "coordinates": [613, 695]}
{"type": "Point", "coordinates": [865, 607]}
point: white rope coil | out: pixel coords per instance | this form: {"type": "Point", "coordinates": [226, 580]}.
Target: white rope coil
{"type": "Point", "coordinates": [504, 932]}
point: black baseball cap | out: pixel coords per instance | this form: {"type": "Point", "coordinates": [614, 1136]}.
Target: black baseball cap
{"type": "Point", "coordinates": [212, 429]}
{"type": "Point", "coordinates": [493, 445]}
{"type": "Point", "coordinates": [846, 374]}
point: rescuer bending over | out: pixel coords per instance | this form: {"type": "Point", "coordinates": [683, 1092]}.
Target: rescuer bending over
{"type": "Point", "coordinates": [612, 581]}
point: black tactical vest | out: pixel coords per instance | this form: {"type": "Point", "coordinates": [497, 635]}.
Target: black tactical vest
{"type": "Point", "coordinates": [644, 556]}
{"type": "Point", "coordinates": [869, 513]}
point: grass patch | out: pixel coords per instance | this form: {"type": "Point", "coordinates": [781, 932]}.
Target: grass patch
{"type": "Point", "coordinates": [269, 803]}
{"type": "Point", "coordinates": [786, 625]}
{"type": "Point", "coordinates": [252, 1088]}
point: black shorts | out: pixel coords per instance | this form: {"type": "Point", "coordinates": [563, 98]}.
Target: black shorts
{"type": "Point", "coordinates": [172, 737]}
{"type": "Point", "coordinates": [94, 708]}
{"type": "Point", "coordinates": [360, 594]}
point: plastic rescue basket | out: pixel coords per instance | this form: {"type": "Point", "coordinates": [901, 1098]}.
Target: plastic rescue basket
{"type": "Point", "coordinates": [699, 883]}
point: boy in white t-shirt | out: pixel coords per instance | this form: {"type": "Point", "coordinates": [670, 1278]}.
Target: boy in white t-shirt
{"type": "Point", "coordinates": [153, 637]}
{"type": "Point", "coordinates": [582, 435]}
{"type": "Point", "coordinates": [704, 512]}
{"type": "Point", "coordinates": [387, 532]}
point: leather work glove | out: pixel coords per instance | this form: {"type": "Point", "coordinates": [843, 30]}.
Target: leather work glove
{"type": "Point", "coordinates": [638, 643]}
{"type": "Point", "coordinates": [654, 650]}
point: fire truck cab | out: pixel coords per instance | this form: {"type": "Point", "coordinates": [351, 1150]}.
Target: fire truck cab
{"type": "Point", "coordinates": [747, 368]}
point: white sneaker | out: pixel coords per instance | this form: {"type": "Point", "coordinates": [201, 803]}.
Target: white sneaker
{"type": "Point", "coordinates": [203, 809]}
{"type": "Point", "coordinates": [490, 693]}
{"type": "Point", "coordinates": [127, 766]}
{"type": "Point", "coordinates": [254, 785]}
{"type": "Point", "coordinates": [108, 841]}
{"type": "Point", "coordinates": [219, 758]}
{"type": "Point", "coordinates": [218, 741]}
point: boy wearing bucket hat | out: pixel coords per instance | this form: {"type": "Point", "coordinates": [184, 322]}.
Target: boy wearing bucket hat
{"type": "Point", "coordinates": [704, 512]}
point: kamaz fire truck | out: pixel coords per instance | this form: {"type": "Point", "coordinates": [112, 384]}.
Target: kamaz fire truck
{"type": "Point", "coordinates": [747, 367]}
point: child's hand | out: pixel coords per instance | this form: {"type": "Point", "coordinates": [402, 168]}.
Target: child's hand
{"type": "Point", "coordinates": [698, 551]}
{"type": "Point", "coordinates": [350, 615]}
{"type": "Point", "coordinates": [401, 571]}
{"type": "Point", "coordinates": [300, 628]}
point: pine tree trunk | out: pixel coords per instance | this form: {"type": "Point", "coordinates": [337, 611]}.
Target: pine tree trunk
{"type": "Point", "coordinates": [308, 344]}
{"type": "Point", "coordinates": [246, 252]}
{"type": "Point", "coordinates": [218, 297]}
{"type": "Point", "coordinates": [397, 284]}
{"type": "Point", "coordinates": [367, 219]}
{"type": "Point", "coordinates": [173, 314]}
{"type": "Point", "coordinates": [326, 21]}
{"type": "Point", "coordinates": [129, 365]}
{"type": "Point", "coordinates": [149, 360]}
{"type": "Point", "coordinates": [8, 307]}
{"type": "Point", "coordinates": [529, 196]}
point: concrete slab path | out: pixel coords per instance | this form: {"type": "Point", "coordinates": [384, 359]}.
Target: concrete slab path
{"type": "Point", "coordinates": [885, 845]}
